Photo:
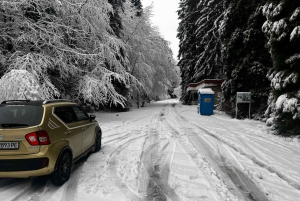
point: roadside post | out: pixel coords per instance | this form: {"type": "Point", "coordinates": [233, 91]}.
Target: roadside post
{"type": "Point", "coordinates": [243, 97]}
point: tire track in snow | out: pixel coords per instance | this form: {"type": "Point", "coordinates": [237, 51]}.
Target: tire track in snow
{"type": "Point", "coordinates": [123, 137]}
{"type": "Point", "coordinates": [34, 191]}
{"type": "Point", "coordinates": [264, 145]}
{"type": "Point", "coordinates": [169, 149]}
{"type": "Point", "coordinates": [263, 142]}
{"type": "Point", "coordinates": [247, 187]}
{"type": "Point", "coordinates": [157, 159]}
{"type": "Point", "coordinates": [241, 184]}
{"type": "Point", "coordinates": [242, 151]}
{"type": "Point", "coordinates": [212, 176]}
{"type": "Point", "coordinates": [71, 186]}
{"type": "Point", "coordinates": [159, 174]}
{"type": "Point", "coordinates": [9, 189]}
{"type": "Point", "coordinates": [114, 157]}
{"type": "Point", "coordinates": [135, 120]}
{"type": "Point", "coordinates": [113, 170]}
{"type": "Point", "coordinates": [252, 136]}
{"type": "Point", "coordinates": [9, 182]}
{"type": "Point", "coordinates": [49, 191]}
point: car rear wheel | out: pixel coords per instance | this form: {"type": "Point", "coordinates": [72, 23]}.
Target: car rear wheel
{"type": "Point", "coordinates": [63, 170]}
{"type": "Point", "coordinates": [98, 142]}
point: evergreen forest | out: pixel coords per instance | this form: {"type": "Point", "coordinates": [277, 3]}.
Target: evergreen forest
{"type": "Point", "coordinates": [254, 46]}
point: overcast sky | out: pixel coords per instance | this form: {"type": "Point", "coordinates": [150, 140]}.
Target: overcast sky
{"type": "Point", "coordinates": [165, 17]}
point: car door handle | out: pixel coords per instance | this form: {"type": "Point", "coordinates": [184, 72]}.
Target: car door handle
{"type": "Point", "coordinates": [67, 132]}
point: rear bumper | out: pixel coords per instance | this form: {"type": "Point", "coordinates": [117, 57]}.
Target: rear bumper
{"type": "Point", "coordinates": [24, 168]}
{"type": "Point", "coordinates": [23, 164]}
{"type": "Point", "coordinates": [31, 165]}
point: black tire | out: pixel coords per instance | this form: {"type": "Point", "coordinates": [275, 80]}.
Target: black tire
{"type": "Point", "coordinates": [63, 170]}
{"type": "Point", "coordinates": [98, 142]}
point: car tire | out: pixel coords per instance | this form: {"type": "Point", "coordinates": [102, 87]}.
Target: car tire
{"type": "Point", "coordinates": [98, 141]}
{"type": "Point", "coordinates": [63, 170]}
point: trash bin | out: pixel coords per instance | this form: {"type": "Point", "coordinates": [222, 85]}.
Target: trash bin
{"type": "Point", "coordinates": [206, 101]}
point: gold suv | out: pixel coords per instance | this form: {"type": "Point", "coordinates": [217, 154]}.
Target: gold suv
{"type": "Point", "coordinates": [45, 137]}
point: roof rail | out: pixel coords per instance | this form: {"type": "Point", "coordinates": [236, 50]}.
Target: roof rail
{"type": "Point", "coordinates": [9, 101]}
{"type": "Point", "coordinates": [56, 101]}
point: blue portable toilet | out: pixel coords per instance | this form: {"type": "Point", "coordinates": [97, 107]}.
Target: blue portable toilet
{"type": "Point", "coordinates": [206, 101]}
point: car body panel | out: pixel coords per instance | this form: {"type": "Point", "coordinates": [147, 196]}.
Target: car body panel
{"type": "Point", "coordinates": [18, 135]}
{"type": "Point", "coordinates": [76, 137]}
{"type": "Point", "coordinates": [49, 151]}
{"type": "Point", "coordinates": [89, 135]}
{"type": "Point", "coordinates": [74, 134]}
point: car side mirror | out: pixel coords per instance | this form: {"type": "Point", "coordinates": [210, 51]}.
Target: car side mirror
{"type": "Point", "coordinates": [92, 117]}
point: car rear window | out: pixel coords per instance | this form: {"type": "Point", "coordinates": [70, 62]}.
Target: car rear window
{"type": "Point", "coordinates": [12, 116]}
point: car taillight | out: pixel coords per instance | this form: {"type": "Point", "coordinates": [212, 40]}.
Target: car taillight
{"type": "Point", "coordinates": [32, 139]}
{"type": "Point", "coordinates": [38, 138]}
{"type": "Point", "coordinates": [43, 137]}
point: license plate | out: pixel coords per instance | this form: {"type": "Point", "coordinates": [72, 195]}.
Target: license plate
{"type": "Point", "coordinates": [9, 145]}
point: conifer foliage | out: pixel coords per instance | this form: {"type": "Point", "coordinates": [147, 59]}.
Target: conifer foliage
{"type": "Point", "coordinates": [200, 44]}
{"type": "Point", "coordinates": [188, 16]}
{"type": "Point", "coordinates": [244, 55]}
{"type": "Point", "coordinates": [254, 45]}
{"type": "Point", "coordinates": [282, 28]}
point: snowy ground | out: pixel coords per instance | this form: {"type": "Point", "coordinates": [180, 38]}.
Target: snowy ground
{"type": "Point", "coordinates": [166, 151]}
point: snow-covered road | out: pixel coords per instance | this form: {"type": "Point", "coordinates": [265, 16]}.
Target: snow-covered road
{"type": "Point", "coordinates": [166, 151]}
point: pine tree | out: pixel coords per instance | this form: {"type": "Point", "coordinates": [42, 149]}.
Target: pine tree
{"type": "Point", "coordinates": [200, 42]}
{"type": "Point", "coordinates": [138, 6]}
{"type": "Point", "coordinates": [245, 57]}
{"type": "Point", "coordinates": [187, 28]}
{"type": "Point", "coordinates": [209, 64]}
{"type": "Point", "coordinates": [282, 29]}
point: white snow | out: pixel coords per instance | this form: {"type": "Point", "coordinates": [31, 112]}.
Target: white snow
{"type": "Point", "coordinates": [279, 26]}
{"type": "Point", "coordinates": [167, 151]}
{"type": "Point", "coordinates": [206, 91]}
{"type": "Point", "coordinates": [280, 100]}
{"type": "Point", "coordinates": [295, 14]}
{"type": "Point", "coordinates": [266, 27]}
{"type": "Point", "coordinates": [268, 10]}
{"type": "Point", "coordinates": [293, 58]}
{"type": "Point", "coordinates": [276, 81]}
{"type": "Point", "coordinates": [287, 105]}
{"type": "Point", "coordinates": [295, 33]}
{"type": "Point", "coordinates": [277, 9]}
{"type": "Point", "coordinates": [19, 84]}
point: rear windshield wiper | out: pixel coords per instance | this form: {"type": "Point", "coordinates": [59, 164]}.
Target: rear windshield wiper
{"type": "Point", "coordinates": [12, 125]}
